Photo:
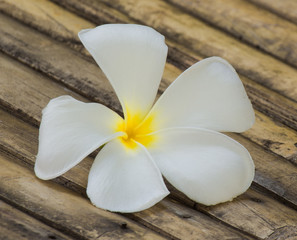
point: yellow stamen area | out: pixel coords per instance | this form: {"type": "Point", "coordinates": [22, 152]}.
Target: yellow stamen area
{"type": "Point", "coordinates": [136, 130]}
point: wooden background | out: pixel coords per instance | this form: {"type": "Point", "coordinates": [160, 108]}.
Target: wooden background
{"type": "Point", "coordinates": [42, 58]}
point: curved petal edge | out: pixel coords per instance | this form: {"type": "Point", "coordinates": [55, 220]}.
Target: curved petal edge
{"type": "Point", "coordinates": [69, 131]}
{"type": "Point", "coordinates": [133, 58]}
{"type": "Point", "coordinates": [208, 95]}
{"type": "Point", "coordinates": [207, 166]}
{"type": "Point", "coordinates": [125, 180]}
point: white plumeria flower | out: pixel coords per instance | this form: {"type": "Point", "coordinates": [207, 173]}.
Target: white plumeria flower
{"type": "Point", "coordinates": [177, 137]}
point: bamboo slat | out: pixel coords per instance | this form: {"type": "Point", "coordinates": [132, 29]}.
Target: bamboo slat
{"type": "Point", "coordinates": [284, 8]}
{"type": "Point", "coordinates": [201, 39]}
{"type": "Point", "coordinates": [26, 44]}
{"type": "Point", "coordinates": [254, 25]}
{"type": "Point", "coordinates": [179, 27]}
{"type": "Point", "coordinates": [62, 208]}
{"type": "Point", "coordinates": [14, 129]}
{"type": "Point", "coordinates": [15, 224]}
{"type": "Point", "coordinates": [43, 59]}
{"type": "Point", "coordinates": [91, 82]}
{"type": "Point", "coordinates": [46, 16]}
{"type": "Point", "coordinates": [264, 100]}
{"type": "Point", "coordinates": [44, 90]}
{"type": "Point", "coordinates": [22, 139]}
{"type": "Point", "coordinates": [250, 221]}
{"type": "Point", "coordinates": [57, 62]}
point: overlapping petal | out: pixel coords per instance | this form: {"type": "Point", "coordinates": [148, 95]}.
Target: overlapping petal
{"type": "Point", "coordinates": [174, 139]}
{"type": "Point", "coordinates": [208, 95]}
{"type": "Point", "coordinates": [207, 166]}
{"type": "Point", "coordinates": [125, 180]}
{"type": "Point", "coordinates": [69, 131]}
{"type": "Point", "coordinates": [133, 59]}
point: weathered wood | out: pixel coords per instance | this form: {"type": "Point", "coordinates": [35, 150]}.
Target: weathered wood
{"type": "Point", "coordinates": [19, 144]}
{"type": "Point", "coordinates": [15, 224]}
{"type": "Point", "coordinates": [44, 90]}
{"type": "Point", "coordinates": [285, 113]}
{"type": "Point", "coordinates": [268, 222]}
{"type": "Point", "coordinates": [20, 91]}
{"type": "Point", "coordinates": [100, 13]}
{"type": "Point", "coordinates": [166, 213]}
{"type": "Point", "coordinates": [274, 137]}
{"type": "Point", "coordinates": [19, 135]}
{"type": "Point", "coordinates": [272, 172]}
{"type": "Point", "coordinates": [260, 215]}
{"type": "Point", "coordinates": [285, 233]}
{"type": "Point", "coordinates": [53, 59]}
{"type": "Point", "coordinates": [48, 16]}
{"type": "Point", "coordinates": [25, 44]}
{"type": "Point", "coordinates": [203, 40]}
{"type": "Point", "coordinates": [274, 34]}
{"type": "Point", "coordinates": [284, 8]}
{"type": "Point", "coordinates": [90, 8]}
{"type": "Point", "coordinates": [62, 208]}
{"type": "Point", "coordinates": [189, 220]}
{"type": "Point", "coordinates": [274, 105]}
{"type": "Point", "coordinates": [21, 140]}
{"type": "Point", "coordinates": [264, 100]}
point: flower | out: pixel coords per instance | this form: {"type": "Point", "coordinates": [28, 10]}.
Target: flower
{"type": "Point", "coordinates": [178, 137]}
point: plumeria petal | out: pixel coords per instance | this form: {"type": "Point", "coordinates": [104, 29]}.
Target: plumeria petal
{"type": "Point", "coordinates": [125, 180]}
{"type": "Point", "coordinates": [207, 166]}
{"type": "Point", "coordinates": [69, 131]}
{"type": "Point", "coordinates": [207, 95]}
{"type": "Point", "coordinates": [133, 58]}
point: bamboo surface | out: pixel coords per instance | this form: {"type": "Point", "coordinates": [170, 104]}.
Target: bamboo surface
{"type": "Point", "coordinates": [41, 58]}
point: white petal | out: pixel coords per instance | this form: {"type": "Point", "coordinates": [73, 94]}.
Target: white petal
{"type": "Point", "coordinates": [133, 59]}
{"type": "Point", "coordinates": [207, 95]}
{"type": "Point", "coordinates": [69, 131]}
{"type": "Point", "coordinates": [207, 166]}
{"type": "Point", "coordinates": [125, 180]}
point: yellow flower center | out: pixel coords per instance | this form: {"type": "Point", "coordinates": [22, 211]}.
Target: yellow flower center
{"type": "Point", "coordinates": [136, 130]}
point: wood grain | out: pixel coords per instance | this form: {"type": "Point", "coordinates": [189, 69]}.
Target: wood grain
{"type": "Point", "coordinates": [42, 90]}
{"type": "Point", "coordinates": [204, 40]}
{"type": "Point", "coordinates": [19, 144]}
{"type": "Point", "coordinates": [267, 223]}
{"type": "Point", "coordinates": [53, 59]}
{"type": "Point", "coordinates": [15, 129]}
{"type": "Point", "coordinates": [45, 90]}
{"type": "Point", "coordinates": [62, 208]}
{"type": "Point", "coordinates": [274, 137]}
{"type": "Point", "coordinates": [254, 25]}
{"type": "Point", "coordinates": [16, 143]}
{"type": "Point", "coordinates": [21, 141]}
{"type": "Point", "coordinates": [15, 224]}
{"type": "Point", "coordinates": [36, 68]}
{"type": "Point", "coordinates": [284, 8]}
{"type": "Point", "coordinates": [264, 100]}
{"type": "Point", "coordinates": [26, 44]}
{"type": "Point", "coordinates": [37, 13]}
{"type": "Point", "coordinates": [190, 219]}
{"type": "Point", "coordinates": [186, 30]}
{"type": "Point", "coordinates": [20, 91]}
